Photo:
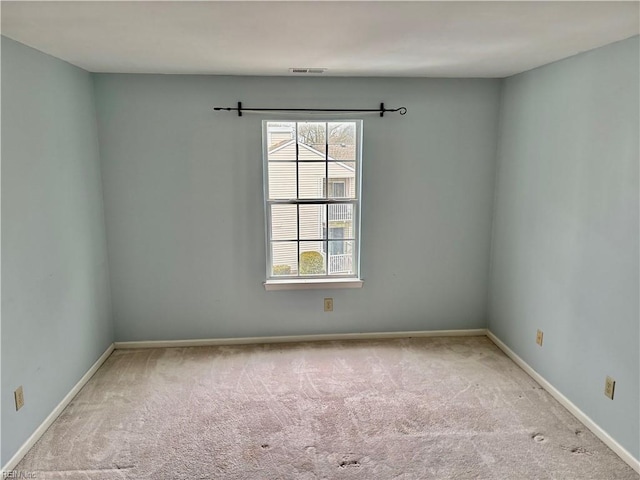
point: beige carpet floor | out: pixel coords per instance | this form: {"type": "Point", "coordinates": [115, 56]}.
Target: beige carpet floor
{"type": "Point", "coordinates": [428, 408]}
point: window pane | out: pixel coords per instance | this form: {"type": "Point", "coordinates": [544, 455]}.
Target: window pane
{"type": "Point", "coordinates": [312, 260]}
{"type": "Point", "coordinates": [342, 180]}
{"type": "Point", "coordinates": [282, 181]}
{"type": "Point", "coordinates": [341, 214]}
{"type": "Point", "coordinates": [342, 140]}
{"type": "Point", "coordinates": [340, 258]}
{"type": "Point", "coordinates": [284, 224]}
{"type": "Point", "coordinates": [279, 134]}
{"type": "Point", "coordinates": [312, 140]}
{"type": "Point", "coordinates": [312, 176]}
{"type": "Point", "coordinates": [281, 143]}
{"type": "Point", "coordinates": [284, 258]}
{"type": "Point", "coordinates": [312, 222]}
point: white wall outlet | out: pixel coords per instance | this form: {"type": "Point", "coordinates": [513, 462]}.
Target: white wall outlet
{"type": "Point", "coordinates": [19, 397]}
{"type": "Point", "coordinates": [609, 387]}
{"type": "Point", "coordinates": [328, 304]}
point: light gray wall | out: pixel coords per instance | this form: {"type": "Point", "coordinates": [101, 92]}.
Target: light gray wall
{"type": "Point", "coordinates": [184, 206]}
{"type": "Point", "coordinates": [565, 248]}
{"type": "Point", "coordinates": [56, 318]}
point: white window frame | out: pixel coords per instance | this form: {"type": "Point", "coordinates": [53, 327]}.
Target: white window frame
{"type": "Point", "coordinates": [295, 282]}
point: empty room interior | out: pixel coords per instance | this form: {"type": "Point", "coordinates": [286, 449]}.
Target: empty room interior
{"type": "Point", "coordinates": [315, 240]}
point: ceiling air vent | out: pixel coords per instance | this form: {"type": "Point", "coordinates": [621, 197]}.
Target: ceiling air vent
{"type": "Point", "coordinates": [307, 70]}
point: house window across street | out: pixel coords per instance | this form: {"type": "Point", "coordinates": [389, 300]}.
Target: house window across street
{"type": "Point", "coordinates": [312, 172]}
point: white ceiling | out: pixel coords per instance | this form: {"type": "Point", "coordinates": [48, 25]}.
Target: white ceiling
{"type": "Point", "coordinates": [361, 38]}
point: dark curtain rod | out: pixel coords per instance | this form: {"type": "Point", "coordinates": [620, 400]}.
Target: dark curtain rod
{"type": "Point", "coordinates": [382, 110]}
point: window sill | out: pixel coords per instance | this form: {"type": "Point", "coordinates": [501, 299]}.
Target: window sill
{"type": "Point", "coordinates": [312, 284]}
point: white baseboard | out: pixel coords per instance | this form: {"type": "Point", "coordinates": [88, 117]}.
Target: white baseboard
{"type": "Point", "coordinates": [566, 403]}
{"type": "Point", "coordinates": [35, 436]}
{"type": "Point", "coordinates": [300, 338]}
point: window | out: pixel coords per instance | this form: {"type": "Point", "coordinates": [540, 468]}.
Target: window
{"type": "Point", "coordinates": [312, 174]}
{"type": "Point", "coordinates": [336, 248]}
{"type": "Point", "coordinates": [337, 187]}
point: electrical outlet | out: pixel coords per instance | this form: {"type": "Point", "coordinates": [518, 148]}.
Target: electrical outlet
{"type": "Point", "coordinates": [328, 304]}
{"type": "Point", "coordinates": [609, 387]}
{"type": "Point", "coordinates": [19, 396]}
{"type": "Point", "coordinates": [539, 337]}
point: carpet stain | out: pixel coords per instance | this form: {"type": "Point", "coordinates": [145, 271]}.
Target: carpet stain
{"type": "Point", "coordinates": [576, 450]}
{"type": "Point", "coordinates": [349, 463]}
{"type": "Point", "coordinates": [538, 437]}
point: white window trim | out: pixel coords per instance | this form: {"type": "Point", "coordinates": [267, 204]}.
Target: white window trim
{"type": "Point", "coordinates": [312, 283]}
{"type": "Point", "coordinates": [323, 282]}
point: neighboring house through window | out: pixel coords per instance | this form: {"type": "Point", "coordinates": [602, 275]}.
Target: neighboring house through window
{"type": "Point", "coordinates": [312, 174]}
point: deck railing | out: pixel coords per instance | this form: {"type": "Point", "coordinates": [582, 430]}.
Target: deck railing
{"type": "Point", "coordinates": [340, 212]}
{"type": "Point", "coordinates": [340, 264]}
